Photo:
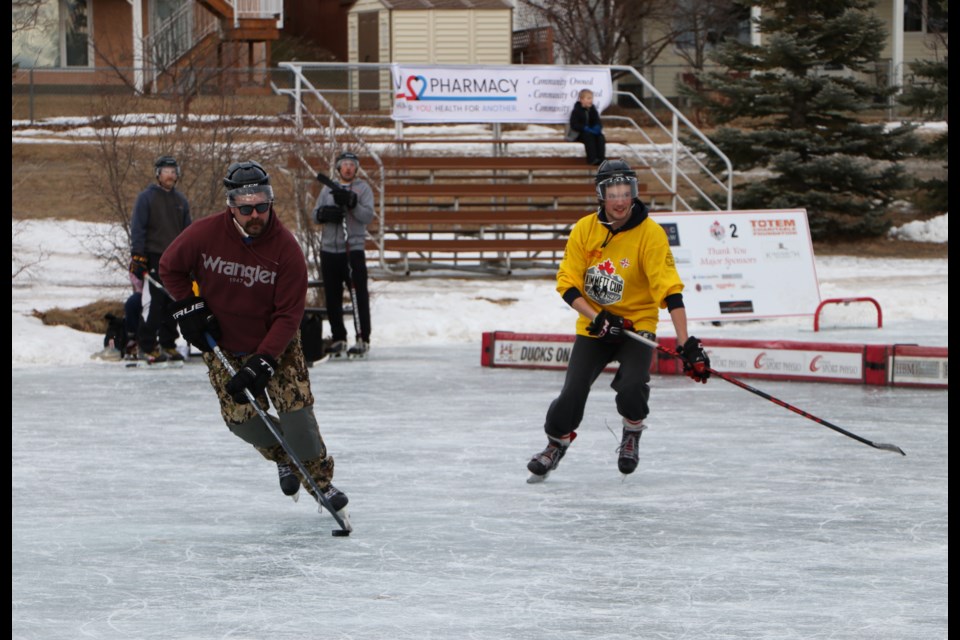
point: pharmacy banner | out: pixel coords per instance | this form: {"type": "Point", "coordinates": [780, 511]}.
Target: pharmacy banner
{"type": "Point", "coordinates": [743, 265]}
{"type": "Point", "coordinates": [481, 94]}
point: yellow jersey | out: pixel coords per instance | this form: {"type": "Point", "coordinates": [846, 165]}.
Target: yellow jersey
{"type": "Point", "coordinates": [629, 272]}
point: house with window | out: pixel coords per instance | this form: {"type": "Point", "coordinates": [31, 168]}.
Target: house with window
{"type": "Point", "coordinates": [917, 30]}
{"type": "Point", "coordinates": [150, 44]}
{"type": "Point", "coordinates": [425, 31]}
{"type": "Point", "coordinates": [144, 44]}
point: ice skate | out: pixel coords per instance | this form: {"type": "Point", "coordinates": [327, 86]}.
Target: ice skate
{"type": "Point", "coordinates": [289, 483]}
{"type": "Point", "coordinates": [629, 446]}
{"type": "Point", "coordinates": [337, 350]}
{"type": "Point", "coordinates": [359, 350]}
{"type": "Point", "coordinates": [547, 460]}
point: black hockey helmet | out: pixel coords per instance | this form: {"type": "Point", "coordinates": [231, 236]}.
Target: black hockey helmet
{"type": "Point", "coordinates": [613, 172]}
{"type": "Point", "coordinates": [165, 161]}
{"type": "Point", "coordinates": [245, 178]}
{"type": "Point", "coordinates": [346, 155]}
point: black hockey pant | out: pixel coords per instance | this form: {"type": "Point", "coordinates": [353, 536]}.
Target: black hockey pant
{"type": "Point", "coordinates": [588, 359]}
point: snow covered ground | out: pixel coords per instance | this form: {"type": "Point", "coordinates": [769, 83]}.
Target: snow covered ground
{"type": "Point", "coordinates": [136, 514]}
{"type": "Point", "coordinates": [59, 271]}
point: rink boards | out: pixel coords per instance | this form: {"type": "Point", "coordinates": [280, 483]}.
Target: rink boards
{"type": "Point", "coordinates": [871, 364]}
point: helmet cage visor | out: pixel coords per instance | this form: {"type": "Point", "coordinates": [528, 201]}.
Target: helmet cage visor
{"type": "Point", "coordinates": [617, 180]}
{"type": "Point", "coordinates": [248, 190]}
{"type": "Point", "coordinates": [347, 157]}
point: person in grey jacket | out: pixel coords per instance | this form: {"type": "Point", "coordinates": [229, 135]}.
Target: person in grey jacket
{"type": "Point", "coordinates": [345, 213]}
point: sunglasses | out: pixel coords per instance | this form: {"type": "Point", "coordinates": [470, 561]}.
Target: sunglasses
{"type": "Point", "coordinates": [247, 209]}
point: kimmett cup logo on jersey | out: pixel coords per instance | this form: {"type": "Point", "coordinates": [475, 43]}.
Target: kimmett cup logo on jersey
{"type": "Point", "coordinates": [602, 283]}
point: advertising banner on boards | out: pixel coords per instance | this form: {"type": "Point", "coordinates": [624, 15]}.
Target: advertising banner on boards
{"type": "Point", "coordinates": [511, 93]}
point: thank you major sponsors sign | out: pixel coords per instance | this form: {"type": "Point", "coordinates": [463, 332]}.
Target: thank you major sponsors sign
{"type": "Point", "coordinates": [471, 93]}
{"type": "Point", "coordinates": [741, 265]}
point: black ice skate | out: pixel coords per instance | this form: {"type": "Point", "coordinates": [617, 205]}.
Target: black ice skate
{"type": "Point", "coordinates": [547, 460]}
{"type": "Point", "coordinates": [337, 350]}
{"type": "Point", "coordinates": [289, 483]}
{"type": "Point", "coordinates": [337, 499]}
{"type": "Point", "coordinates": [629, 447]}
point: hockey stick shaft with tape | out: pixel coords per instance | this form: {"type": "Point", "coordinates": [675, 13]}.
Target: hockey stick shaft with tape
{"type": "Point", "coordinates": [785, 405]}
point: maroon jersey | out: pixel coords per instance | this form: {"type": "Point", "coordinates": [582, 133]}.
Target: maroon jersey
{"type": "Point", "coordinates": [255, 287]}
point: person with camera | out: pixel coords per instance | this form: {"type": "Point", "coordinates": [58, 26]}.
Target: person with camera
{"type": "Point", "coordinates": [617, 272]}
{"type": "Point", "coordinates": [252, 281]}
{"type": "Point", "coordinates": [345, 212]}
{"type": "Point", "coordinates": [160, 213]}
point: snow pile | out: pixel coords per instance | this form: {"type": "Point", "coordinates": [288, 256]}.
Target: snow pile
{"type": "Point", "coordinates": [933, 230]}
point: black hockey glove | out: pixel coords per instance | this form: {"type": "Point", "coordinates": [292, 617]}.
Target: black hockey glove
{"type": "Point", "coordinates": [253, 376]}
{"type": "Point", "coordinates": [696, 364]}
{"type": "Point", "coordinates": [330, 213]}
{"type": "Point", "coordinates": [138, 265]}
{"type": "Point", "coordinates": [345, 198]}
{"type": "Point", "coordinates": [195, 320]}
{"type": "Point", "coordinates": [609, 328]}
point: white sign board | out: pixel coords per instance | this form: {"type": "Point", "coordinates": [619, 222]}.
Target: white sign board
{"type": "Point", "coordinates": [462, 93]}
{"type": "Point", "coordinates": [739, 265]}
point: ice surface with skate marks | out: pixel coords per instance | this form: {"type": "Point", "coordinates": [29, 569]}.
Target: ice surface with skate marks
{"type": "Point", "coordinates": [743, 519]}
{"type": "Point", "coordinates": [137, 514]}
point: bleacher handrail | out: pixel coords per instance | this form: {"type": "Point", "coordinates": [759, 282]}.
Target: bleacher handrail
{"type": "Point", "coordinates": [677, 118]}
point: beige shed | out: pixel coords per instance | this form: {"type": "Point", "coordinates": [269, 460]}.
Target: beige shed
{"type": "Point", "coordinates": [425, 31]}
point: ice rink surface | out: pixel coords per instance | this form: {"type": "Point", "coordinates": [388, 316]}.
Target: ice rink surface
{"type": "Point", "coordinates": [136, 514]}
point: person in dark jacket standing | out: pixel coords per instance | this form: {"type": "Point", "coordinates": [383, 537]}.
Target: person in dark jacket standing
{"type": "Point", "coordinates": [585, 120]}
{"type": "Point", "coordinates": [252, 280]}
{"type": "Point", "coordinates": [160, 213]}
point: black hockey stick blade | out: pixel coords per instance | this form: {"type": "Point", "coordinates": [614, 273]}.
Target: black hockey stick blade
{"type": "Point", "coordinates": [785, 405]}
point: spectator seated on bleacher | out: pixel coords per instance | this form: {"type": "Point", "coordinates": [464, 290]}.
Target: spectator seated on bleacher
{"type": "Point", "coordinates": [585, 122]}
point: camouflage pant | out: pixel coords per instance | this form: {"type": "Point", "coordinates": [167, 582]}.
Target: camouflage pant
{"type": "Point", "coordinates": [289, 391]}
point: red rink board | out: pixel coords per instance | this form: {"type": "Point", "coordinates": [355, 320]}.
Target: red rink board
{"type": "Point", "coordinates": [882, 365]}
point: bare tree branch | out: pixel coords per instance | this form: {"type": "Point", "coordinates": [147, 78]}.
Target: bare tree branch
{"type": "Point", "coordinates": [607, 32]}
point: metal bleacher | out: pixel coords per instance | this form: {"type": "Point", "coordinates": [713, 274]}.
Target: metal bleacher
{"type": "Point", "coordinates": [482, 203]}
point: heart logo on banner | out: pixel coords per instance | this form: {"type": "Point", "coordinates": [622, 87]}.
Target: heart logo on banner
{"type": "Point", "coordinates": [414, 94]}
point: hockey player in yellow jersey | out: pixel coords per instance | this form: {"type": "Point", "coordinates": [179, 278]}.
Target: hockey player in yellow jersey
{"type": "Point", "coordinates": [617, 272]}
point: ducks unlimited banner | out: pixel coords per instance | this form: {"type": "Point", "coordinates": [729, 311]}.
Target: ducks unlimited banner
{"type": "Point", "coordinates": [472, 93]}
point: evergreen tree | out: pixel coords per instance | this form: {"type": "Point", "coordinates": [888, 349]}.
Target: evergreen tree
{"type": "Point", "coordinates": [927, 96]}
{"type": "Point", "coordinates": [804, 126]}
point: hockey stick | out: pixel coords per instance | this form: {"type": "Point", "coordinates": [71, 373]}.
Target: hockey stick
{"type": "Point", "coordinates": [325, 180]}
{"type": "Point", "coordinates": [350, 285]}
{"type": "Point", "coordinates": [743, 385]}
{"type": "Point", "coordinates": [345, 527]}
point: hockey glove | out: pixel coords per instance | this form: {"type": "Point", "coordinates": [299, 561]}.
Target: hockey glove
{"type": "Point", "coordinates": [696, 364]}
{"type": "Point", "coordinates": [253, 376]}
{"type": "Point", "coordinates": [195, 320]}
{"type": "Point", "coordinates": [138, 265]}
{"type": "Point", "coordinates": [345, 198]}
{"type": "Point", "coordinates": [330, 213]}
{"type": "Point", "coordinates": [609, 328]}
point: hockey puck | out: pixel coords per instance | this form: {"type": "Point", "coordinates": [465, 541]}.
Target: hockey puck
{"type": "Point", "coordinates": [340, 533]}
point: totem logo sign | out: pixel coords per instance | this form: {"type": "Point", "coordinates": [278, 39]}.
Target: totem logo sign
{"type": "Point", "coordinates": [474, 93]}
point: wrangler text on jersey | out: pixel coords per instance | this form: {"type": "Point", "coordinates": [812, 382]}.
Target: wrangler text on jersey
{"type": "Point", "coordinates": [247, 274]}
